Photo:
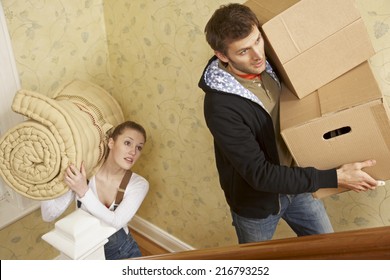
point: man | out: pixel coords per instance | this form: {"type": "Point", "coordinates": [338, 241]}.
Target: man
{"type": "Point", "coordinates": [242, 112]}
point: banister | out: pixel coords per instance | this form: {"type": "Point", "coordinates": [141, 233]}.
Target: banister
{"type": "Point", "coordinates": [372, 243]}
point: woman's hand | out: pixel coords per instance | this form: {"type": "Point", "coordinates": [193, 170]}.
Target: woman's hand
{"type": "Point", "coordinates": [76, 179]}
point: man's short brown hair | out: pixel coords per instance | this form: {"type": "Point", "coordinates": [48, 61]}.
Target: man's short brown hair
{"type": "Point", "coordinates": [229, 23]}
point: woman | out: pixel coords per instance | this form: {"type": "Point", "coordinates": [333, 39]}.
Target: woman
{"type": "Point", "coordinates": [98, 195]}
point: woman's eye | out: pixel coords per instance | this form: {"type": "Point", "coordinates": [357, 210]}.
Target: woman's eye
{"type": "Point", "coordinates": [127, 143]}
{"type": "Point", "coordinates": [139, 148]}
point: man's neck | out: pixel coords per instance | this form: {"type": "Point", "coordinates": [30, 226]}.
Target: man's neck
{"type": "Point", "coordinates": [249, 76]}
{"type": "Point", "coordinates": [246, 76]}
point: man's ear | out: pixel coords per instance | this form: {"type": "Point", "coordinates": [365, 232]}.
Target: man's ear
{"type": "Point", "coordinates": [221, 56]}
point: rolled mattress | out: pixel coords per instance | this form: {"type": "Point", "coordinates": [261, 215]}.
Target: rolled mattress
{"type": "Point", "coordinates": [70, 127]}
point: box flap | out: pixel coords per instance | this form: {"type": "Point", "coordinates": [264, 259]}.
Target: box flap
{"type": "Point", "coordinates": [306, 23]}
{"type": "Point", "coordinates": [356, 87]}
{"type": "Point", "coordinates": [329, 59]}
{"type": "Point", "coordinates": [267, 9]}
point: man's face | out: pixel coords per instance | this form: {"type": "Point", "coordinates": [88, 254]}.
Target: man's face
{"type": "Point", "coordinates": [245, 56]}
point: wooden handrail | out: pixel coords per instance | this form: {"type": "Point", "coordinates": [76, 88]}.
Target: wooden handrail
{"type": "Point", "coordinates": [373, 243]}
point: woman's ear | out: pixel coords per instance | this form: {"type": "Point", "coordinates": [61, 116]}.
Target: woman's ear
{"type": "Point", "coordinates": [110, 143]}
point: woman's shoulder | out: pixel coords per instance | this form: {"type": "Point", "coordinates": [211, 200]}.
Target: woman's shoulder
{"type": "Point", "coordinates": [139, 181]}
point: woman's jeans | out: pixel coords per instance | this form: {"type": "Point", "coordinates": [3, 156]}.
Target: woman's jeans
{"type": "Point", "coordinates": [304, 214]}
{"type": "Point", "coordinates": [121, 246]}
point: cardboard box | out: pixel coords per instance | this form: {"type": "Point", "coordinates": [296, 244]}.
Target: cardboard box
{"type": "Point", "coordinates": [344, 121]}
{"type": "Point", "coordinates": [312, 42]}
{"type": "Point", "coordinates": [268, 9]}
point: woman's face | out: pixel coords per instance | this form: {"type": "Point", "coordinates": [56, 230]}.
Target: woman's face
{"type": "Point", "coordinates": [127, 147]}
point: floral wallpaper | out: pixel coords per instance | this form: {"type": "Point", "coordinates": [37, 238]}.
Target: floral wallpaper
{"type": "Point", "coordinates": [56, 41]}
{"type": "Point", "coordinates": [156, 61]}
{"type": "Point", "coordinates": [150, 55]}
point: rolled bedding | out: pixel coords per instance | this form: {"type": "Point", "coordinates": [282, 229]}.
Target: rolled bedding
{"type": "Point", "coordinates": [71, 127]}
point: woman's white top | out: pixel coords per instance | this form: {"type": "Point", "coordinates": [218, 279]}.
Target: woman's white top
{"type": "Point", "coordinates": [135, 193]}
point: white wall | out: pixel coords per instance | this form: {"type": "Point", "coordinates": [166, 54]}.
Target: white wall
{"type": "Point", "coordinates": [12, 205]}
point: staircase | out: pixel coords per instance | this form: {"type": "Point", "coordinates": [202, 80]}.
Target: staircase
{"type": "Point", "coordinates": [373, 244]}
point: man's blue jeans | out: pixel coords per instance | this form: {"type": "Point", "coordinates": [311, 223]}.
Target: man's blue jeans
{"type": "Point", "coordinates": [304, 214]}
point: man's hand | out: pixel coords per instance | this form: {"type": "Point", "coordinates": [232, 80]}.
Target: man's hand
{"type": "Point", "coordinates": [352, 177]}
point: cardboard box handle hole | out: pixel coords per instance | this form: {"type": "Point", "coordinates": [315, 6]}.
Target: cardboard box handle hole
{"type": "Point", "coordinates": [337, 132]}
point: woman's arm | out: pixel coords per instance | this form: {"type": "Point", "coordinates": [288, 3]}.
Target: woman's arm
{"type": "Point", "coordinates": [135, 193]}
{"type": "Point", "coordinates": [53, 208]}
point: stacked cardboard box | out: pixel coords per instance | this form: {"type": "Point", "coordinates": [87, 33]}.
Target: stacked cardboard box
{"type": "Point", "coordinates": [347, 120]}
{"type": "Point", "coordinates": [332, 109]}
{"type": "Point", "coordinates": [312, 42]}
